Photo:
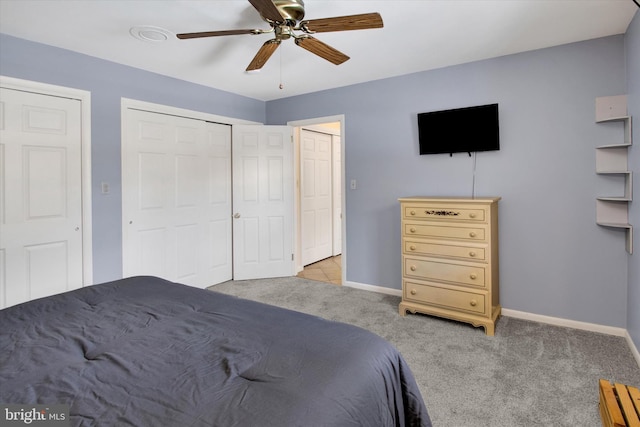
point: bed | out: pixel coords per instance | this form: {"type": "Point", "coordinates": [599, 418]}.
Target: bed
{"type": "Point", "coordinates": [143, 351]}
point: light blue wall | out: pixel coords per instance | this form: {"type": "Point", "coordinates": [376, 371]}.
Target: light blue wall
{"type": "Point", "coordinates": [108, 83]}
{"type": "Point", "coordinates": [554, 259]}
{"type": "Point", "coordinates": [633, 84]}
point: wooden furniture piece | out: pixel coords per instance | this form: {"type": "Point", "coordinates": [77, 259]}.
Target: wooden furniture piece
{"type": "Point", "coordinates": [619, 405]}
{"type": "Point", "coordinates": [611, 160]}
{"type": "Point", "coordinates": [450, 259]}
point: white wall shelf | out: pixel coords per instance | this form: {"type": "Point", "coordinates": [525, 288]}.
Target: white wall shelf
{"type": "Point", "coordinates": [612, 159]}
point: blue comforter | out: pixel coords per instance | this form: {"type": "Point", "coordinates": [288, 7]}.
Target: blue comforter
{"type": "Point", "coordinates": [146, 352]}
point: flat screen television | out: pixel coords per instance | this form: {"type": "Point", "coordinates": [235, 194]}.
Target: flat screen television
{"type": "Point", "coordinates": [459, 130]}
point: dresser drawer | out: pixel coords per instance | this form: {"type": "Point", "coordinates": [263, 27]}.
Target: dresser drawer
{"type": "Point", "coordinates": [444, 231]}
{"type": "Point", "coordinates": [441, 212]}
{"type": "Point", "coordinates": [438, 249]}
{"type": "Point", "coordinates": [445, 297]}
{"type": "Point", "coordinates": [450, 272]}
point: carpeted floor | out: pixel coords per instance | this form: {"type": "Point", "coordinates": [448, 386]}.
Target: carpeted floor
{"type": "Point", "coordinates": [528, 374]}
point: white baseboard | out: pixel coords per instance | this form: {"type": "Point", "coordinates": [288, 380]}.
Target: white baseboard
{"type": "Point", "coordinates": [593, 327]}
{"type": "Point", "coordinates": [372, 288]}
{"type": "Point", "coordinates": [557, 321]}
{"type": "Point", "coordinates": [633, 348]}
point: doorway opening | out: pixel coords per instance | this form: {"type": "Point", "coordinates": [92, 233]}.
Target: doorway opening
{"type": "Point", "coordinates": [318, 150]}
{"type": "Point", "coordinates": [328, 270]}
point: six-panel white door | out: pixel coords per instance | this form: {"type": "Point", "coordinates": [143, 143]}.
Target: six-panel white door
{"type": "Point", "coordinates": [41, 200]}
{"type": "Point", "coordinates": [262, 202]}
{"type": "Point", "coordinates": [176, 198]}
{"type": "Point", "coordinates": [316, 196]}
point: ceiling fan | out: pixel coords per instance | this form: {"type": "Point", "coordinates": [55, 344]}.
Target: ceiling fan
{"type": "Point", "coordinates": [285, 18]}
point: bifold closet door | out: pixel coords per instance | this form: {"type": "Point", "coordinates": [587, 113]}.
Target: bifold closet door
{"type": "Point", "coordinates": [176, 185]}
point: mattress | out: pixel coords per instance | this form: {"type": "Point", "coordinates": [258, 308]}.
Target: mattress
{"type": "Point", "coordinates": [143, 351]}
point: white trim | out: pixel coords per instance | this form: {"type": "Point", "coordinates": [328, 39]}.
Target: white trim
{"type": "Point", "coordinates": [634, 349]}
{"type": "Point", "coordinates": [307, 123]}
{"type": "Point", "coordinates": [373, 288]}
{"type": "Point", "coordinates": [323, 129]}
{"type": "Point", "coordinates": [558, 321]}
{"type": "Point", "coordinates": [85, 111]}
{"type": "Point", "coordinates": [318, 121]}
{"type": "Point", "coordinates": [175, 111]}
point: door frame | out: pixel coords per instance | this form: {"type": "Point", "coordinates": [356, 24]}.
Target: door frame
{"type": "Point", "coordinates": [85, 163]}
{"type": "Point", "coordinates": [309, 123]}
{"type": "Point", "coordinates": [312, 124]}
{"type": "Point", "coordinates": [181, 112]}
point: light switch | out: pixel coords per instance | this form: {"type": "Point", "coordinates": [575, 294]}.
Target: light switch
{"type": "Point", "coordinates": [353, 184]}
{"type": "Point", "coordinates": [105, 188]}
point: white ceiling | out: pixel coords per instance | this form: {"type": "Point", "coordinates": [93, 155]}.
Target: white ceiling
{"type": "Point", "coordinates": [417, 35]}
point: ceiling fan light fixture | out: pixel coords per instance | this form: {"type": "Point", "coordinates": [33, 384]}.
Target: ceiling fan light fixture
{"type": "Point", "coordinates": [148, 33]}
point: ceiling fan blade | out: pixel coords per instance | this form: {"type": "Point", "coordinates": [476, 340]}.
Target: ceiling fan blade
{"type": "Point", "coordinates": [263, 55]}
{"type": "Point", "coordinates": [214, 34]}
{"type": "Point", "coordinates": [321, 49]}
{"type": "Point", "coordinates": [267, 9]}
{"type": "Point", "coordinates": [343, 23]}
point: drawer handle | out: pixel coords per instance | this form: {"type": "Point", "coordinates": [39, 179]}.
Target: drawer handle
{"type": "Point", "coordinates": [472, 254]}
{"type": "Point", "coordinates": [472, 215]}
{"type": "Point", "coordinates": [412, 212]}
{"type": "Point", "coordinates": [413, 230]}
{"type": "Point", "coordinates": [412, 247]}
{"type": "Point", "coordinates": [473, 303]}
{"type": "Point", "coordinates": [413, 268]}
{"type": "Point", "coordinates": [413, 292]}
{"type": "Point", "coordinates": [472, 234]}
{"type": "Point", "coordinates": [473, 276]}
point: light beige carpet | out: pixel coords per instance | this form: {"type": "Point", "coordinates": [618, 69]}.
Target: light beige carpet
{"type": "Point", "coordinates": [528, 374]}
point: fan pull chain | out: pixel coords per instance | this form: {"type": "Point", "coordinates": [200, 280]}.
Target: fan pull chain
{"type": "Point", "coordinates": [281, 86]}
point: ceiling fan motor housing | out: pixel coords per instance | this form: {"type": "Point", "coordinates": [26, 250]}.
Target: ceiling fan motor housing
{"type": "Point", "coordinates": [283, 32]}
{"type": "Point", "coordinates": [291, 10]}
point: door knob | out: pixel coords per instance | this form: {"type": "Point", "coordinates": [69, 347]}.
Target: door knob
{"type": "Point", "coordinates": [236, 215]}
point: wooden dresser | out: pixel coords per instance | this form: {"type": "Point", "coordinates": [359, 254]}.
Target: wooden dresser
{"type": "Point", "coordinates": [450, 259]}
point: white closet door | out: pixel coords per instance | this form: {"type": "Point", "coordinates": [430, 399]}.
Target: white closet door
{"type": "Point", "coordinates": [262, 202]}
{"type": "Point", "coordinates": [316, 196]}
{"type": "Point", "coordinates": [41, 200]}
{"type": "Point", "coordinates": [218, 241]}
{"type": "Point", "coordinates": [176, 198]}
